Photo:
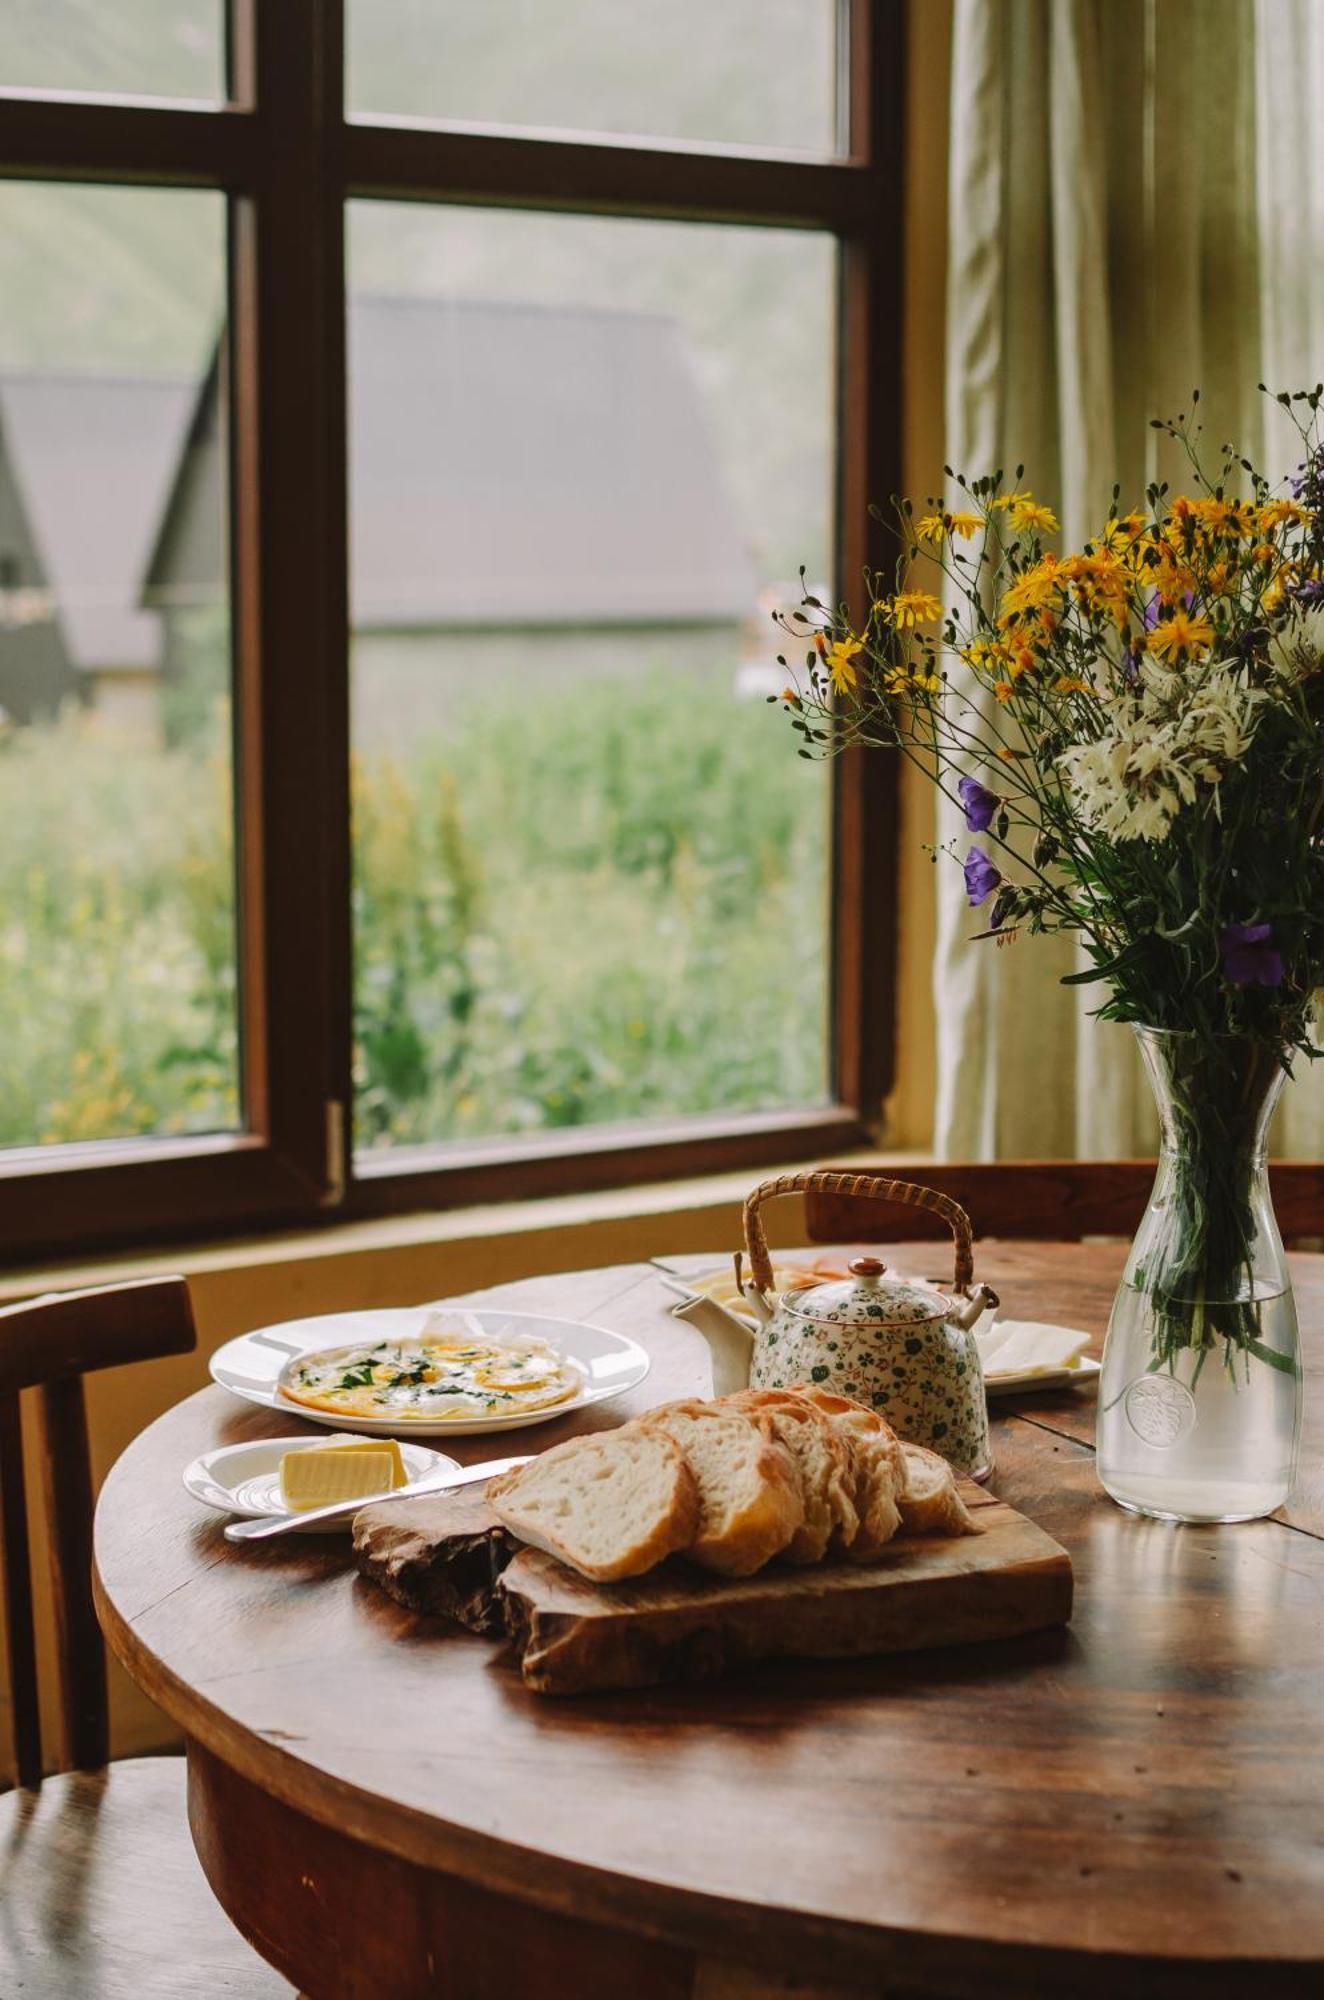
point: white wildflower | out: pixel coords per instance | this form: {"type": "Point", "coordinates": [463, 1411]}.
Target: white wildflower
{"type": "Point", "coordinates": [1296, 649]}
{"type": "Point", "coordinates": [1176, 736]}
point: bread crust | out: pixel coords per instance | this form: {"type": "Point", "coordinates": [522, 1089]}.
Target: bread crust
{"type": "Point", "coordinates": [929, 1501]}
{"type": "Point", "coordinates": [876, 1456]}
{"type": "Point", "coordinates": [672, 1532]}
{"type": "Point", "coordinates": [765, 1525]}
{"type": "Point", "coordinates": [830, 1509]}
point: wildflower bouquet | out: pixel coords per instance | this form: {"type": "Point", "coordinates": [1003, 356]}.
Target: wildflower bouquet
{"type": "Point", "coordinates": [1134, 734]}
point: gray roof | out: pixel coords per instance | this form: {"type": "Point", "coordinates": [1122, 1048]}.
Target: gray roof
{"type": "Point", "coordinates": [94, 458]}
{"type": "Point", "coordinates": [510, 465]}
{"type": "Point", "coordinates": [515, 464]}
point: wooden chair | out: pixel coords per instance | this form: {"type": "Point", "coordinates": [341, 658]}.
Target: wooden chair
{"type": "Point", "coordinates": [101, 1894]}
{"type": "Point", "coordinates": [1057, 1200]}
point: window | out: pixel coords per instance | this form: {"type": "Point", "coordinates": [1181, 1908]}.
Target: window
{"type": "Point", "coordinates": [117, 934]}
{"type": "Point", "coordinates": [571, 519]}
{"type": "Point", "coordinates": [145, 48]}
{"type": "Point", "coordinates": [401, 816]}
{"type": "Point", "coordinates": [760, 73]}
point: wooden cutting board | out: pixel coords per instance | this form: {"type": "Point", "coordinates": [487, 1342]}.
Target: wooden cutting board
{"type": "Point", "coordinates": [450, 1556]}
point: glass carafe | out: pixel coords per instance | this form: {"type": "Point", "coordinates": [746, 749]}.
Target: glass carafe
{"type": "Point", "coordinates": [1200, 1395]}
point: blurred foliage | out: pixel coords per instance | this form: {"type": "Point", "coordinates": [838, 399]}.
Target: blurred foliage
{"type": "Point", "coordinates": [566, 912]}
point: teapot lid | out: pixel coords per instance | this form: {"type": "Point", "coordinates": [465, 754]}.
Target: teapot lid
{"type": "Point", "coordinates": [869, 1297]}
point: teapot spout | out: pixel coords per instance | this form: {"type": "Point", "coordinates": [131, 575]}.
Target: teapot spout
{"type": "Point", "coordinates": [730, 1343]}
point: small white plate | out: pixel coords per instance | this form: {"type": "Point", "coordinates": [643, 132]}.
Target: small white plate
{"type": "Point", "coordinates": [245, 1478]}
{"type": "Point", "coordinates": [1074, 1377]}
{"type": "Point", "coordinates": [607, 1363]}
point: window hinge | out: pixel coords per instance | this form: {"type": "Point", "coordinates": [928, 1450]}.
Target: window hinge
{"type": "Point", "coordinates": [334, 1192]}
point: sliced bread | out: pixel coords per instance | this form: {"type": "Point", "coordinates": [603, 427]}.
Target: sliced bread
{"type": "Point", "coordinates": [929, 1501]}
{"type": "Point", "coordinates": [612, 1505]}
{"type": "Point", "coordinates": [876, 1459]}
{"type": "Point", "coordinates": [751, 1499]}
{"type": "Point", "coordinates": [826, 1468]}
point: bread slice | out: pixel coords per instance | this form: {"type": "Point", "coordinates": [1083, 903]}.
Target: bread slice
{"type": "Point", "coordinates": [876, 1461]}
{"type": "Point", "coordinates": [930, 1503]}
{"type": "Point", "coordinates": [610, 1505]}
{"type": "Point", "coordinates": [751, 1499]}
{"type": "Point", "coordinates": [826, 1468]}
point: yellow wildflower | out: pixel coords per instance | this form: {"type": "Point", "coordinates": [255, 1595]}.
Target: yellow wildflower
{"type": "Point", "coordinates": [1100, 582]}
{"type": "Point", "coordinates": [1276, 588]}
{"type": "Point", "coordinates": [1011, 499]}
{"type": "Point", "coordinates": [1279, 514]}
{"type": "Point", "coordinates": [910, 608]}
{"type": "Point", "coordinates": [790, 694]}
{"type": "Point", "coordinates": [1032, 590]}
{"type": "Point", "coordinates": [1224, 518]}
{"type": "Point", "coordinates": [1181, 635]}
{"type": "Point", "coordinates": [1071, 684]}
{"type": "Point", "coordinates": [1125, 530]}
{"type": "Point", "coordinates": [840, 661]}
{"type": "Point", "coordinates": [1028, 513]}
{"type": "Point", "coordinates": [986, 655]}
{"type": "Point", "coordinates": [1003, 690]}
{"type": "Point", "coordinates": [935, 527]}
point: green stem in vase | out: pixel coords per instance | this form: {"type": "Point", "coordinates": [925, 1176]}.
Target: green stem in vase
{"type": "Point", "coordinates": [1198, 1270]}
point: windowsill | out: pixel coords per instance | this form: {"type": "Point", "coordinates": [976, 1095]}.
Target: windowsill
{"type": "Point", "coordinates": [464, 1247]}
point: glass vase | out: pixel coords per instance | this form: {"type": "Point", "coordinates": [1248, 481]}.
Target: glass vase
{"type": "Point", "coordinates": [1200, 1395]}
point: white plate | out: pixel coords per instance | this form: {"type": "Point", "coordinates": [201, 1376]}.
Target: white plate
{"type": "Point", "coordinates": [608, 1363]}
{"type": "Point", "coordinates": [1075, 1377]}
{"type": "Point", "coordinates": [245, 1478]}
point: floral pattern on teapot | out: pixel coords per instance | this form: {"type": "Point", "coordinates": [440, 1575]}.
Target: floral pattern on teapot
{"type": "Point", "coordinates": [923, 1377]}
{"type": "Point", "coordinates": [899, 1347]}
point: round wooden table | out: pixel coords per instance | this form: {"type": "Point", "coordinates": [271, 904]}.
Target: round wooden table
{"type": "Point", "coordinates": [1131, 1804]}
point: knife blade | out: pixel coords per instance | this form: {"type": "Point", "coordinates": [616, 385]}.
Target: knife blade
{"type": "Point", "coordinates": [267, 1525]}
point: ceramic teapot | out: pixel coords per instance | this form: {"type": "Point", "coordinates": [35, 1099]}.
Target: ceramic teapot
{"type": "Point", "coordinates": [897, 1344]}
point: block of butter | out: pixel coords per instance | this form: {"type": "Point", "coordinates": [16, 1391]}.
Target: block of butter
{"type": "Point", "coordinates": [1028, 1347]}
{"type": "Point", "coordinates": [344, 1468]}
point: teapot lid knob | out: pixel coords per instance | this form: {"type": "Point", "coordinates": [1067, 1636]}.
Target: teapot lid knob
{"type": "Point", "coordinates": [867, 1267]}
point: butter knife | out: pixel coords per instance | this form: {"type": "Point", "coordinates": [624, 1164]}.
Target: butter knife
{"type": "Point", "coordinates": [261, 1529]}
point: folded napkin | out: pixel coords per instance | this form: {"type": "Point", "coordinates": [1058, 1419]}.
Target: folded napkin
{"type": "Point", "coordinates": [1029, 1347]}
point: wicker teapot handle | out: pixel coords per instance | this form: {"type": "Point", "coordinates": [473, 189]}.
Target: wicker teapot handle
{"type": "Point", "coordinates": [869, 1187]}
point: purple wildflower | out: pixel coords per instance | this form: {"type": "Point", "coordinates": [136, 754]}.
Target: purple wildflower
{"type": "Point", "coordinates": [1250, 956]}
{"type": "Point", "coordinates": [1311, 592]}
{"type": "Point", "coordinates": [980, 804]}
{"type": "Point", "coordinates": [1153, 611]}
{"type": "Point", "coordinates": [1131, 666]}
{"type": "Point", "coordinates": [981, 877]}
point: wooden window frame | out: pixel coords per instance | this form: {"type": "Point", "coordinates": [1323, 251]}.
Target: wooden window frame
{"type": "Point", "coordinates": [288, 161]}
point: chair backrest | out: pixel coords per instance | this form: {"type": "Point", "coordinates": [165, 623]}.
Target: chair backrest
{"type": "Point", "coordinates": [1056, 1199]}
{"type": "Point", "coordinates": [49, 1344]}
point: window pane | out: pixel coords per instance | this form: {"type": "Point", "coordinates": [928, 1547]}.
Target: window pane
{"type": "Point", "coordinates": [735, 72]}
{"type": "Point", "coordinates": [117, 927]}
{"type": "Point", "coordinates": [134, 48]}
{"type": "Point", "coordinates": [587, 457]}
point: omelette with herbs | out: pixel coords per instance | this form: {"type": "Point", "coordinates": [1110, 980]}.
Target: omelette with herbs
{"type": "Point", "coordinates": [445, 1375]}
